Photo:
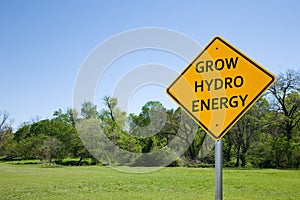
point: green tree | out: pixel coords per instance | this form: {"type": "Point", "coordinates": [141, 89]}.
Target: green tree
{"type": "Point", "coordinates": [71, 142]}
{"type": "Point", "coordinates": [287, 103]}
{"type": "Point", "coordinates": [5, 129]}
{"type": "Point", "coordinates": [246, 130]}
{"type": "Point", "coordinates": [114, 123]}
{"type": "Point", "coordinates": [187, 132]}
{"type": "Point", "coordinates": [70, 117]}
{"type": "Point", "coordinates": [8, 146]}
{"type": "Point", "coordinates": [112, 119]}
{"type": "Point", "coordinates": [148, 126]}
{"type": "Point", "coordinates": [48, 140]}
{"type": "Point", "coordinates": [89, 110]}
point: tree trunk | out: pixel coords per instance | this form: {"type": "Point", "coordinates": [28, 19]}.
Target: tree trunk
{"type": "Point", "coordinates": [243, 159]}
{"type": "Point", "coordinates": [227, 153]}
{"type": "Point", "coordinates": [79, 161]}
{"type": "Point", "coordinates": [288, 130]}
{"type": "Point", "coordinates": [192, 151]}
{"type": "Point", "coordinates": [237, 163]}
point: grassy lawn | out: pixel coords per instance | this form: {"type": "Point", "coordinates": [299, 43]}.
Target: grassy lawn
{"type": "Point", "coordinates": [95, 182]}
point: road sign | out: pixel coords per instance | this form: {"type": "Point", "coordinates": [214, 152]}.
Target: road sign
{"type": "Point", "coordinates": [219, 86]}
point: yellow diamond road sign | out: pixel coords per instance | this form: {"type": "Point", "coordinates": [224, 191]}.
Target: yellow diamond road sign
{"type": "Point", "coordinates": [219, 86]}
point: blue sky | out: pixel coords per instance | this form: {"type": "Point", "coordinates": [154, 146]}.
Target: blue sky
{"type": "Point", "coordinates": [44, 43]}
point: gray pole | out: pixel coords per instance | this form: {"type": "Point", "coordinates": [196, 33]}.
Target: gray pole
{"type": "Point", "coordinates": [218, 170]}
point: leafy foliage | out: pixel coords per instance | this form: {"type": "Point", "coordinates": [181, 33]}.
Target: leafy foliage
{"type": "Point", "coordinates": [268, 135]}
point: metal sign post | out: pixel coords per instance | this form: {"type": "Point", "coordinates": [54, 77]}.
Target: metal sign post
{"type": "Point", "coordinates": [218, 170]}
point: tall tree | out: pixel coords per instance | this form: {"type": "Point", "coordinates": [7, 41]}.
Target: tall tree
{"type": "Point", "coordinates": [71, 141]}
{"type": "Point", "coordinates": [120, 146]}
{"type": "Point", "coordinates": [187, 131]}
{"type": "Point", "coordinates": [286, 92]}
{"type": "Point", "coordinates": [89, 110]}
{"type": "Point", "coordinates": [112, 119]}
{"type": "Point", "coordinates": [244, 132]}
{"type": "Point", "coordinates": [5, 124]}
{"type": "Point", "coordinates": [148, 126]}
{"type": "Point", "coordinates": [7, 146]}
{"type": "Point", "coordinates": [69, 117]}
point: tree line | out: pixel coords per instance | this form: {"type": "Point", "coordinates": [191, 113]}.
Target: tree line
{"type": "Point", "coordinates": [268, 135]}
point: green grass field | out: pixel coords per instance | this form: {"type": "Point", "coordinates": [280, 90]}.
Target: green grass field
{"type": "Point", "coordinates": [95, 182]}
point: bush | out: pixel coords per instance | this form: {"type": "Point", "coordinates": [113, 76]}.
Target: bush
{"type": "Point", "coordinates": [162, 157]}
